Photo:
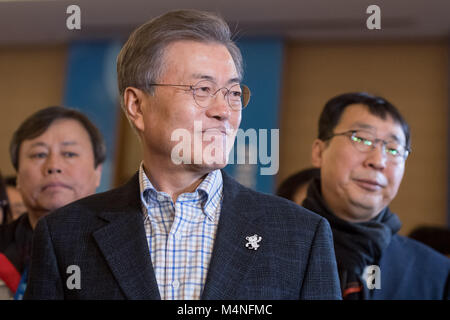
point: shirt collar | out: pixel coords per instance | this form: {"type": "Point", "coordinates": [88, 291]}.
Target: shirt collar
{"type": "Point", "coordinates": [209, 192]}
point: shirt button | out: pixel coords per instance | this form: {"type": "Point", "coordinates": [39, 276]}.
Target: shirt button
{"type": "Point", "coordinates": [160, 197]}
{"type": "Point", "coordinates": [176, 284]}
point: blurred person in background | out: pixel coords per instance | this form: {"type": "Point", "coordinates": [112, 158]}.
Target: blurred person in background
{"type": "Point", "coordinates": [435, 237]}
{"type": "Point", "coordinates": [295, 186]}
{"type": "Point", "coordinates": [58, 155]}
{"type": "Point", "coordinates": [15, 198]}
{"type": "Point", "coordinates": [5, 209]}
{"type": "Point", "coordinates": [9, 277]}
{"type": "Point", "coordinates": [361, 150]}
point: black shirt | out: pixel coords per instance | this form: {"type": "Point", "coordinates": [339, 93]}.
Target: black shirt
{"type": "Point", "coordinates": [15, 242]}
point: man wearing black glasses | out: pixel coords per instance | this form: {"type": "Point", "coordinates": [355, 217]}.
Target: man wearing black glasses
{"type": "Point", "coordinates": [181, 228]}
{"type": "Point", "coordinates": [361, 150]}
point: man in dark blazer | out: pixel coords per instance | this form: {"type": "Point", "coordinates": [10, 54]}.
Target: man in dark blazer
{"type": "Point", "coordinates": [58, 155]}
{"type": "Point", "coordinates": [181, 228]}
{"type": "Point", "coordinates": [361, 150]}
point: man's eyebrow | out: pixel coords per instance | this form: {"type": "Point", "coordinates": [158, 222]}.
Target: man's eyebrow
{"type": "Point", "coordinates": [234, 80]}
{"type": "Point", "coordinates": [362, 125]}
{"type": "Point", "coordinates": [397, 139]}
{"type": "Point", "coordinates": [202, 76]}
{"type": "Point", "coordinates": [69, 143]}
{"type": "Point", "coordinates": [210, 78]}
{"type": "Point", "coordinates": [39, 144]}
{"type": "Point", "coordinates": [43, 144]}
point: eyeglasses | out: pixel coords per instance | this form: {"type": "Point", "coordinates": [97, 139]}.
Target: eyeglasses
{"type": "Point", "coordinates": [365, 141]}
{"type": "Point", "coordinates": [237, 96]}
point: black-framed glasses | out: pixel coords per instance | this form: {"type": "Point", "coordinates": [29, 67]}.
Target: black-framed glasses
{"type": "Point", "coordinates": [237, 96]}
{"type": "Point", "coordinates": [365, 141]}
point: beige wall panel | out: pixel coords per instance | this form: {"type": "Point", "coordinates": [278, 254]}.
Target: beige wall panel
{"type": "Point", "coordinates": [30, 78]}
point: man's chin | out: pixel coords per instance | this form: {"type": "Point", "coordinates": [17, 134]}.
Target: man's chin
{"type": "Point", "coordinates": [208, 167]}
{"type": "Point", "coordinates": [209, 161]}
{"type": "Point", "coordinates": [56, 204]}
{"type": "Point", "coordinates": [364, 210]}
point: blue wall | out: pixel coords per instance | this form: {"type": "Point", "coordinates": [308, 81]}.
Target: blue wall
{"type": "Point", "coordinates": [263, 62]}
{"type": "Point", "coordinates": [91, 87]}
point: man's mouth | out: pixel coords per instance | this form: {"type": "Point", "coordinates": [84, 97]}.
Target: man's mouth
{"type": "Point", "coordinates": [55, 185]}
{"type": "Point", "coordinates": [215, 131]}
{"type": "Point", "coordinates": [370, 185]}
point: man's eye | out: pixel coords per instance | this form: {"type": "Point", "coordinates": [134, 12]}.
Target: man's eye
{"type": "Point", "coordinates": [359, 139]}
{"type": "Point", "coordinates": [204, 90]}
{"type": "Point", "coordinates": [69, 154]}
{"type": "Point", "coordinates": [236, 94]}
{"type": "Point", "coordinates": [362, 141]}
{"type": "Point", "coordinates": [38, 155]}
{"type": "Point", "coordinates": [393, 152]}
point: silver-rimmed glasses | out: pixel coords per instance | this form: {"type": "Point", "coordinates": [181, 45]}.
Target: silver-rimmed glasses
{"type": "Point", "coordinates": [237, 96]}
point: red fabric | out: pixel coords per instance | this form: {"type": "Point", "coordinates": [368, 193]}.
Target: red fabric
{"type": "Point", "coordinates": [9, 273]}
{"type": "Point", "coordinates": [351, 290]}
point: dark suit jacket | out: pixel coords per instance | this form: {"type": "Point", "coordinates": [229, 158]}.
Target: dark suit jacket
{"type": "Point", "coordinates": [15, 241]}
{"type": "Point", "coordinates": [410, 270]}
{"type": "Point", "coordinates": [104, 235]}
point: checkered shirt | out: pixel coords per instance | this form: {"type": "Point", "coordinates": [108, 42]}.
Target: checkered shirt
{"type": "Point", "coordinates": [181, 236]}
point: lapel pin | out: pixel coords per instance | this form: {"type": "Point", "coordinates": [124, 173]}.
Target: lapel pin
{"type": "Point", "coordinates": [252, 243]}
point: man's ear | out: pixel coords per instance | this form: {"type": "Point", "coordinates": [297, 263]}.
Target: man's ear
{"type": "Point", "coordinates": [18, 180]}
{"type": "Point", "coordinates": [318, 147]}
{"type": "Point", "coordinates": [133, 100]}
{"type": "Point", "coordinates": [98, 175]}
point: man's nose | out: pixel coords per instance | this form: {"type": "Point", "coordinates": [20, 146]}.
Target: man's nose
{"type": "Point", "coordinates": [377, 157]}
{"type": "Point", "coordinates": [53, 165]}
{"type": "Point", "coordinates": [219, 107]}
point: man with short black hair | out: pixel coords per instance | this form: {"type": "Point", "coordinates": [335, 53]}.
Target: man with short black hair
{"type": "Point", "coordinates": [361, 151]}
{"type": "Point", "coordinates": [58, 155]}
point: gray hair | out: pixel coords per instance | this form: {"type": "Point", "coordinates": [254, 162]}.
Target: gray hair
{"type": "Point", "coordinates": [141, 60]}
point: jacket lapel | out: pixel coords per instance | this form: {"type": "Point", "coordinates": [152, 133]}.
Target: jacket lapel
{"type": "Point", "coordinates": [231, 259]}
{"type": "Point", "coordinates": [123, 243]}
